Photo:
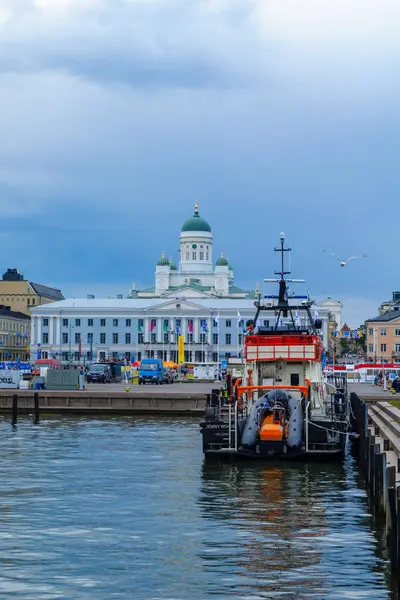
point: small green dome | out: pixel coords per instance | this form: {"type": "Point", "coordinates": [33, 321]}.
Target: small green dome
{"type": "Point", "coordinates": [163, 262]}
{"type": "Point", "coordinates": [222, 262]}
{"type": "Point", "coordinates": [172, 265]}
{"type": "Point", "coordinates": [230, 268]}
{"type": "Point", "coordinates": [196, 223]}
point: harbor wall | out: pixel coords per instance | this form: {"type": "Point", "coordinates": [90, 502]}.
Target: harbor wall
{"type": "Point", "coordinates": [104, 403]}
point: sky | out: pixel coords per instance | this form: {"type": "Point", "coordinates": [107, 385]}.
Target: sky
{"type": "Point", "coordinates": [275, 115]}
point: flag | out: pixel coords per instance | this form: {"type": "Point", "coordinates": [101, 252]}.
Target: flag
{"type": "Point", "coordinates": [140, 328]}
{"type": "Point", "coordinates": [190, 325]}
{"type": "Point", "coordinates": [297, 318]}
{"type": "Point", "coordinates": [258, 324]}
{"type": "Point", "coordinates": [177, 328]}
{"type": "Point", "coordinates": [165, 327]}
{"type": "Point", "coordinates": [239, 318]}
{"type": "Point", "coordinates": [217, 320]}
{"type": "Point", "coordinates": [316, 315]}
{"type": "Point", "coordinates": [152, 324]}
{"type": "Point", "coordinates": [204, 325]}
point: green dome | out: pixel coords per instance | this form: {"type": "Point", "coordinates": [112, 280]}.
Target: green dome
{"type": "Point", "coordinates": [196, 223]}
{"type": "Point", "coordinates": [222, 262]}
{"type": "Point", "coordinates": [163, 262]}
{"type": "Point", "coordinates": [230, 268]}
{"type": "Point", "coordinates": [172, 265]}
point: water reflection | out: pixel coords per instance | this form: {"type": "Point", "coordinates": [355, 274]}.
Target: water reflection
{"type": "Point", "coordinates": [127, 508]}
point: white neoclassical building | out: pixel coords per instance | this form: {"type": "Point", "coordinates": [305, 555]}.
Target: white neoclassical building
{"type": "Point", "coordinates": [198, 299]}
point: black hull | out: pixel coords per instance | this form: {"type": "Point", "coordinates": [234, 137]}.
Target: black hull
{"type": "Point", "coordinates": [248, 455]}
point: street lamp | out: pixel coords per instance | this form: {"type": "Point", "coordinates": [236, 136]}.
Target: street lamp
{"type": "Point", "coordinates": [383, 374]}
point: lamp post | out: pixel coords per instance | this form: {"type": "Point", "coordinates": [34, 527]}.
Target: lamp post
{"type": "Point", "coordinates": [383, 374]}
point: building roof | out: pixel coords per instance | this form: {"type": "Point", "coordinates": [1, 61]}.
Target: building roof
{"type": "Point", "coordinates": [387, 316]}
{"type": "Point", "coordinates": [196, 223]}
{"type": "Point", "coordinates": [12, 314]}
{"type": "Point", "coordinates": [48, 292]}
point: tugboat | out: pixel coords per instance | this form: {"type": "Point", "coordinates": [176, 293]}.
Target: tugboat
{"type": "Point", "coordinates": [281, 407]}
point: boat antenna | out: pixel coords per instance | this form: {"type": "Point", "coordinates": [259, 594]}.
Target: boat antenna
{"type": "Point", "coordinates": [282, 301]}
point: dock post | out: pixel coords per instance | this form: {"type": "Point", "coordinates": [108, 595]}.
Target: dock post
{"type": "Point", "coordinates": [397, 530]}
{"type": "Point", "coordinates": [36, 413]}
{"type": "Point", "coordinates": [391, 515]}
{"type": "Point", "coordinates": [14, 417]}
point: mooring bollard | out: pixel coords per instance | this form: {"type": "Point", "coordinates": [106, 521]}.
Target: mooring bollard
{"type": "Point", "coordinates": [14, 417]}
{"type": "Point", "coordinates": [36, 402]}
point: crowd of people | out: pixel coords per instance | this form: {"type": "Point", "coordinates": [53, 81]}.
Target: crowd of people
{"type": "Point", "coordinates": [392, 381]}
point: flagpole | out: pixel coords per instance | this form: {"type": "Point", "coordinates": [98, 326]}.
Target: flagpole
{"type": "Point", "coordinates": [218, 341]}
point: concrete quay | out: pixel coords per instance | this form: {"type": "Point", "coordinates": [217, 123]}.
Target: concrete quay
{"type": "Point", "coordinates": [182, 399]}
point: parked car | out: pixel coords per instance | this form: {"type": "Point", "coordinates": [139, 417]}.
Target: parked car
{"type": "Point", "coordinates": [151, 370]}
{"type": "Point", "coordinates": [99, 373]}
{"type": "Point", "coordinates": [168, 376]}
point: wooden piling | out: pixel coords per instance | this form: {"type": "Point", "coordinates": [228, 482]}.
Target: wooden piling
{"type": "Point", "coordinates": [14, 417]}
{"type": "Point", "coordinates": [36, 408]}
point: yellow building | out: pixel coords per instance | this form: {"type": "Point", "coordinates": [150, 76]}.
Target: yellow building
{"type": "Point", "coordinates": [19, 295]}
{"type": "Point", "coordinates": [14, 335]}
{"type": "Point", "coordinates": [383, 337]}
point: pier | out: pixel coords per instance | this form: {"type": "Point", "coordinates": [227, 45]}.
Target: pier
{"type": "Point", "coordinates": [377, 424]}
{"type": "Point", "coordinates": [184, 399]}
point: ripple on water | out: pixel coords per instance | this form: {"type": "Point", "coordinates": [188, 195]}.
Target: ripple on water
{"type": "Point", "coordinates": [126, 508]}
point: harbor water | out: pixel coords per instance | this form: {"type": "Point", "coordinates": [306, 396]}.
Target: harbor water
{"type": "Point", "coordinates": [127, 508]}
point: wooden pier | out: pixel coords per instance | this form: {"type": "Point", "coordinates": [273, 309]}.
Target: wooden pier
{"type": "Point", "coordinates": [377, 424]}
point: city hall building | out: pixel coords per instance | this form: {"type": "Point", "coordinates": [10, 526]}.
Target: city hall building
{"type": "Point", "coordinates": [198, 299]}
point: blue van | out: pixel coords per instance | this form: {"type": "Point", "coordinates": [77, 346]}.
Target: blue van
{"type": "Point", "coordinates": [151, 370]}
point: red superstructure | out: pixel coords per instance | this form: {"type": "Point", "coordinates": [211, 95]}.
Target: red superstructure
{"type": "Point", "coordinates": [294, 347]}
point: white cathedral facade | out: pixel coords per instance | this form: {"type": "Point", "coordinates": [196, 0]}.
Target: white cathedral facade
{"type": "Point", "coordinates": [195, 276]}
{"type": "Point", "coordinates": [195, 299]}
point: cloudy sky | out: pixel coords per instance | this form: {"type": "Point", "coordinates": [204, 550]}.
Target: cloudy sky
{"type": "Point", "coordinates": [276, 115]}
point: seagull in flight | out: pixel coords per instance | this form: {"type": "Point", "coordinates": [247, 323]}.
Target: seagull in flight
{"type": "Point", "coordinates": [343, 263]}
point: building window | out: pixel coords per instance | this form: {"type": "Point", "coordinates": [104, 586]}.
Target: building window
{"type": "Point", "coordinates": [33, 300]}
{"type": "Point", "coordinates": [90, 338]}
{"type": "Point", "coordinates": [90, 322]}
{"type": "Point", "coordinates": [215, 324]}
{"type": "Point", "coordinates": [115, 322]}
{"type": "Point", "coordinates": [153, 338]}
{"type": "Point", "coordinates": [371, 347]}
{"type": "Point", "coordinates": [383, 347]}
{"type": "Point", "coordinates": [115, 338]}
{"type": "Point", "coordinates": [166, 338]}
{"type": "Point", "coordinates": [207, 255]}
{"type": "Point", "coordinates": [228, 323]}
{"type": "Point", "coordinates": [65, 338]}
{"type": "Point", "coordinates": [228, 339]}
{"type": "Point", "coordinates": [201, 255]}
{"type": "Point", "coordinates": [383, 331]}
{"type": "Point", "coordinates": [45, 338]}
{"type": "Point", "coordinates": [46, 323]}
{"type": "Point", "coordinates": [397, 347]}
{"type": "Point", "coordinates": [77, 356]}
{"type": "Point", "coordinates": [102, 338]}
{"type": "Point", "coordinates": [190, 338]}
{"type": "Point", "coordinates": [370, 331]}
{"type": "Point", "coordinates": [102, 322]}
{"type": "Point", "coordinates": [397, 332]}
{"type": "Point", "coordinates": [128, 323]}
{"type": "Point", "coordinates": [215, 356]}
{"type": "Point", "coordinates": [266, 323]}
{"type": "Point", "coordinates": [215, 338]}
{"type": "Point", "coordinates": [127, 338]}
{"type": "Point", "coordinates": [203, 338]}
{"type": "Point", "coordinates": [140, 338]}
{"type": "Point", "coordinates": [77, 338]}
{"type": "Point", "coordinates": [77, 322]}
{"type": "Point", "coordinates": [187, 255]}
{"type": "Point", "coordinates": [64, 356]}
{"type": "Point", "coordinates": [65, 322]}
{"type": "Point", "coordinates": [193, 255]}
{"type": "Point", "coordinates": [227, 355]}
